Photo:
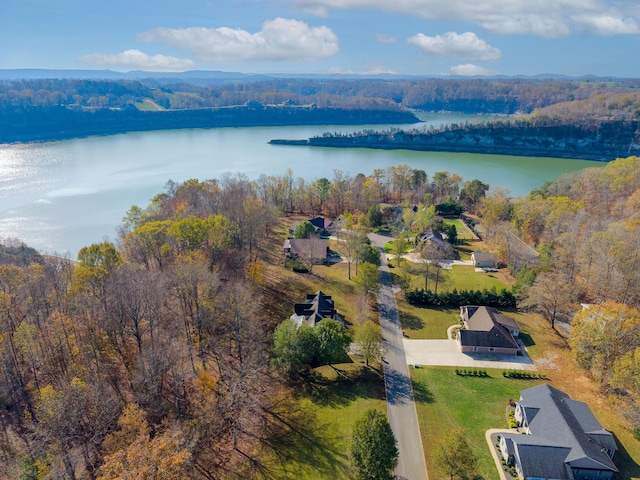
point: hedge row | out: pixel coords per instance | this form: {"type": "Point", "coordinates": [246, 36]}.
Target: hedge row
{"type": "Point", "coordinates": [523, 374]}
{"type": "Point", "coordinates": [471, 372]}
{"type": "Point", "coordinates": [490, 298]}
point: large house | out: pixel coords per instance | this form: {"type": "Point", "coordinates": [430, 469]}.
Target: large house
{"type": "Point", "coordinates": [563, 441]}
{"type": "Point", "coordinates": [314, 249]}
{"type": "Point", "coordinates": [316, 308]}
{"type": "Point", "coordinates": [487, 331]}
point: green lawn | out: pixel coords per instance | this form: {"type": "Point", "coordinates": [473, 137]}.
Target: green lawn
{"type": "Point", "coordinates": [464, 277]}
{"type": "Point", "coordinates": [446, 401]}
{"type": "Point", "coordinates": [460, 277]}
{"type": "Point", "coordinates": [426, 323]}
{"type": "Point", "coordinates": [331, 403]}
{"type": "Point", "coordinates": [461, 229]}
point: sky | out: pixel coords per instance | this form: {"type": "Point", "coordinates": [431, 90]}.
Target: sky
{"type": "Point", "coordinates": [403, 37]}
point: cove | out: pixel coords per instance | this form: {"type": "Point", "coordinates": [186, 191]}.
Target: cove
{"type": "Point", "coordinates": [60, 196]}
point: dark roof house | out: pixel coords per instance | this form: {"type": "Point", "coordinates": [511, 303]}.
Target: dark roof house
{"type": "Point", "coordinates": [487, 331]}
{"type": "Point", "coordinates": [316, 307]}
{"type": "Point", "coordinates": [320, 225]}
{"type": "Point", "coordinates": [564, 439]}
{"type": "Point", "coordinates": [431, 235]}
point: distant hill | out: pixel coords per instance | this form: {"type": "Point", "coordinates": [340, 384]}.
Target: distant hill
{"type": "Point", "coordinates": [48, 104]}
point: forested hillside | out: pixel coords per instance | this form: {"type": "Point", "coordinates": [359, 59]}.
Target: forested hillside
{"type": "Point", "coordinates": [154, 353]}
{"type": "Point", "coordinates": [61, 108]}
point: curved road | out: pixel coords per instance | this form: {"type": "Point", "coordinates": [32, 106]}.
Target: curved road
{"type": "Point", "coordinates": [401, 406]}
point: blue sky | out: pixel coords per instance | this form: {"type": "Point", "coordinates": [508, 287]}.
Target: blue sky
{"type": "Point", "coordinates": [415, 37]}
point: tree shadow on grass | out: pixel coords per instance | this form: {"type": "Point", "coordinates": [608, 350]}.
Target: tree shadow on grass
{"type": "Point", "coordinates": [411, 322]}
{"type": "Point", "coordinates": [527, 340]}
{"type": "Point", "coordinates": [306, 449]}
{"type": "Point", "coordinates": [422, 393]}
{"type": "Point", "coordinates": [345, 388]}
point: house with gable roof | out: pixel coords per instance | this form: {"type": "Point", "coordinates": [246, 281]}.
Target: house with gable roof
{"type": "Point", "coordinates": [487, 331]}
{"type": "Point", "coordinates": [315, 308]}
{"type": "Point", "coordinates": [563, 441]}
{"type": "Point", "coordinates": [433, 236]}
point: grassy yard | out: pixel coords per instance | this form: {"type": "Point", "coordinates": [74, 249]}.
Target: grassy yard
{"type": "Point", "coordinates": [446, 401]}
{"type": "Point", "coordinates": [460, 277]}
{"type": "Point", "coordinates": [332, 401]}
{"type": "Point", "coordinates": [461, 229]}
{"type": "Point", "coordinates": [426, 323]}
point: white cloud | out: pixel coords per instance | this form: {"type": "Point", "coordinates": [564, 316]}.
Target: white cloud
{"type": "Point", "coordinates": [137, 60]}
{"type": "Point", "coordinates": [606, 25]}
{"type": "Point", "coordinates": [452, 44]}
{"type": "Point", "coordinates": [385, 39]}
{"type": "Point", "coordinates": [279, 40]}
{"type": "Point", "coordinates": [545, 18]}
{"type": "Point", "coordinates": [470, 70]}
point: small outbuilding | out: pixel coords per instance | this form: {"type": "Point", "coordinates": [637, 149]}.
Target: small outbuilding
{"type": "Point", "coordinates": [484, 260]}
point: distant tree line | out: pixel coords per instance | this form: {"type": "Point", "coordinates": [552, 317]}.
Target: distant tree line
{"type": "Point", "coordinates": [506, 96]}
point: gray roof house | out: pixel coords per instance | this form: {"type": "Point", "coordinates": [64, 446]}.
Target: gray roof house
{"type": "Point", "coordinates": [563, 441]}
{"type": "Point", "coordinates": [311, 249]}
{"type": "Point", "coordinates": [316, 308]}
{"type": "Point", "coordinates": [487, 331]}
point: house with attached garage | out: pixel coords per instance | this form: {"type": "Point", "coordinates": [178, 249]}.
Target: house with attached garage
{"type": "Point", "coordinates": [487, 331]}
{"type": "Point", "coordinates": [563, 439]}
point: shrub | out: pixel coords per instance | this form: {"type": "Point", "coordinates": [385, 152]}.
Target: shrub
{"type": "Point", "coordinates": [296, 266]}
{"type": "Point", "coordinates": [636, 433]}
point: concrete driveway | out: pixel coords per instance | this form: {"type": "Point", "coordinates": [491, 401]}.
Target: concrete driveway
{"type": "Point", "coordinates": [446, 353]}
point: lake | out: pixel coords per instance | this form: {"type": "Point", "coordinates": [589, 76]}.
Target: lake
{"type": "Point", "coordinates": [60, 196]}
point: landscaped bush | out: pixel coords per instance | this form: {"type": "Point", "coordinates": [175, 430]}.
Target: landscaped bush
{"type": "Point", "coordinates": [490, 298]}
{"type": "Point", "coordinates": [471, 372]}
{"type": "Point", "coordinates": [524, 374]}
{"type": "Point", "coordinates": [513, 423]}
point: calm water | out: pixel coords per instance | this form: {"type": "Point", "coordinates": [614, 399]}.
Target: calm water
{"type": "Point", "coordinates": [61, 196]}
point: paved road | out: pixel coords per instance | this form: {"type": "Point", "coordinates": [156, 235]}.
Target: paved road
{"type": "Point", "coordinates": [400, 400]}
